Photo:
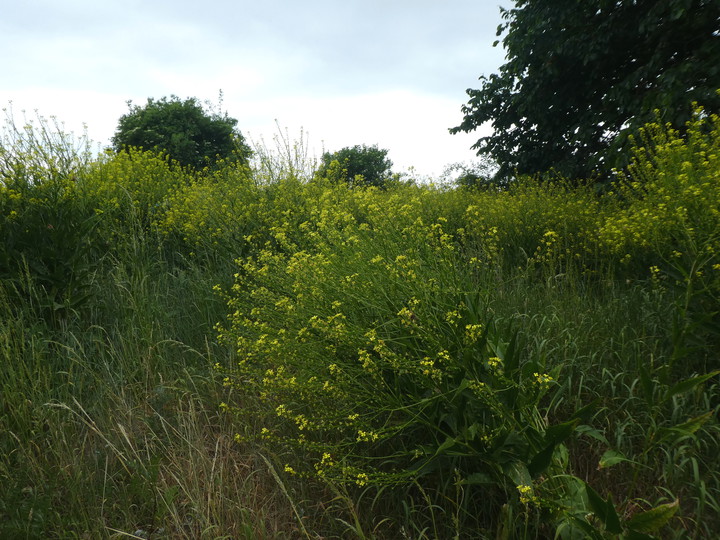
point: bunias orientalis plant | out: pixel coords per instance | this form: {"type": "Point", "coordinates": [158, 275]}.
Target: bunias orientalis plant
{"type": "Point", "coordinates": [47, 230]}
{"type": "Point", "coordinates": [669, 228]}
{"type": "Point", "coordinates": [368, 361]}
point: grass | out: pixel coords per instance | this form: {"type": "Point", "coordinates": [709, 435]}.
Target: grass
{"type": "Point", "coordinates": [262, 354]}
{"type": "Point", "coordinates": [111, 423]}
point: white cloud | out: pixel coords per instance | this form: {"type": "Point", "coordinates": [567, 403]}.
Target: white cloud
{"type": "Point", "coordinates": [352, 72]}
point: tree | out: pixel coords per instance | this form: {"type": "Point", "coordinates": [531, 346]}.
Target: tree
{"type": "Point", "coordinates": [580, 76]}
{"type": "Point", "coordinates": [475, 176]}
{"type": "Point", "coordinates": [359, 165]}
{"type": "Point", "coordinates": [184, 130]}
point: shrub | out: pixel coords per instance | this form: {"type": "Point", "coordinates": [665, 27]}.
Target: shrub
{"type": "Point", "coordinates": [359, 165]}
{"type": "Point", "coordinates": [183, 130]}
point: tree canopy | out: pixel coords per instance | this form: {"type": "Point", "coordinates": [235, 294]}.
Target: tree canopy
{"type": "Point", "coordinates": [582, 75]}
{"type": "Point", "coordinates": [360, 164]}
{"type": "Point", "coordinates": [182, 129]}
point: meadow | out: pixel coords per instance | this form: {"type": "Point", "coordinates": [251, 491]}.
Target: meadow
{"type": "Point", "coordinates": [259, 352]}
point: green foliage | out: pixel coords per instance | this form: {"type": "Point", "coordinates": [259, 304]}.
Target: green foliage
{"type": "Point", "coordinates": [415, 361]}
{"type": "Point", "coordinates": [669, 222]}
{"type": "Point", "coordinates": [47, 232]}
{"type": "Point", "coordinates": [360, 165]}
{"type": "Point", "coordinates": [580, 77]}
{"type": "Point", "coordinates": [39, 149]}
{"type": "Point", "coordinates": [374, 363]}
{"type": "Point", "coordinates": [473, 176]}
{"type": "Point", "coordinates": [130, 188]}
{"type": "Point", "coordinates": [365, 335]}
{"type": "Point", "coordinates": [182, 129]}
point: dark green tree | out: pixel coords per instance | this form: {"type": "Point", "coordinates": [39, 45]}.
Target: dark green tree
{"type": "Point", "coordinates": [476, 176]}
{"type": "Point", "coordinates": [184, 130]}
{"type": "Point", "coordinates": [357, 165]}
{"type": "Point", "coordinates": [581, 75]}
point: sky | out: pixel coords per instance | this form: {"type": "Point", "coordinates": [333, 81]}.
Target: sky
{"type": "Point", "coordinates": [386, 72]}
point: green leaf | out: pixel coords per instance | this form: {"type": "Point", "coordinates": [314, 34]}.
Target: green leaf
{"type": "Point", "coordinates": [478, 479]}
{"type": "Point", "coordinates": [647, 385]}
{"type": "Point", "coordinates": [449, 443]}
{"type": "Point", "coordinates": [683, 430]}
{"type": "Point", "coordinates": [584, 413]}
{"type": "Point", "coordinates": [511, 358]}
{"type": "Point", "coordinates": [612, 457]}
{"type": "Point", "coordinates": [559, 432]}
{"type": "Point", "coordinates": [541, 460]}
{"type": "Point", "coordinates": [575, 527]}
{"type": "Point", "coordinates": [692, 425]}
{"type": "Point", "coordinates": [592, 432]}
{"type": "Point", "coordinates": [554, 435]}
{"type": "Point", "coordinates": [518, 472]}
{"type": "Point", "coordinates": [604, 510]}
{"type": "Point", "coordinates": [686, 429]}
{"type": "Point", "coordinates": [689, 384]}
{"type": "Point", "coordinates": [654, 519]}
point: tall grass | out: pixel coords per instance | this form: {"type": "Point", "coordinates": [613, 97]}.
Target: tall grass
{"type": "Point", "coordinates": [259, 353]}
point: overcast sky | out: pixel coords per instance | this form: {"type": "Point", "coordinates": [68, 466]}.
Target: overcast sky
{"type": "Point", "coordinates": [385, 72]}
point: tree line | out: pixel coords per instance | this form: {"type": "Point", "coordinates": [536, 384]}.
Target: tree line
{"type": "Point", "coordinates": [579, 79]}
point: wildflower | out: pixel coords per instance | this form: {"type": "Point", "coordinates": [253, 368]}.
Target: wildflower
{"type": "Point", "coordinates": [526, 494]}
{"type": "Point", "coordinates": [301, 421]}
{"type": "Point", "coordinates": [362, 479]}
{"type": "Point", "coordinates": [495, 364]}
{"type": "Point", "coordinates": [289, 469]}
{"type": "Point", "coordinates": [543, 379]}
{"type": "Point", "coordinates": [367, 436]}
{"type": "Point", "coordinates": [407, 317]}
{"type": "Point", "coordinates": [429, 369]}
{"type": "Point", "coordinates": [473, 332]}
{"type": "Point", "coordinates": [334, 369]}
{"type": "Point", "coordinates": [452, 316]}
{"type": "Point", "coordinates": [477, 387]}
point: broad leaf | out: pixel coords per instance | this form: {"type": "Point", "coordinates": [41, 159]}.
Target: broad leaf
{"type": "Point", "coordinates": [654, 519]}
{"type": "Point", "coordinates": [612, 457]}
{"type": "Point", "coordinates": [604, 510]}
{"type": "Point", "coordinates": [689, 384]}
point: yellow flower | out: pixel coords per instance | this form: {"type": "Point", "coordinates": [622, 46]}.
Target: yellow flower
{"type": "Point", "coordinates": [526, 494]}
{"type": "Point", "coordinates": [543, 379]}
{"type": "Point", "coordinates": [495, 364]}
{"type": "Point", "coordinates": [473, 332]}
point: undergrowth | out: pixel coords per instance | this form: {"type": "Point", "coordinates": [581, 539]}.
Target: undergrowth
{"type": "Point", "coordinates": [260, 353]}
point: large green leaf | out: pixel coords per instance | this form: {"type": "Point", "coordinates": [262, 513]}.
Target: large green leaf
{"type": "Point", "coordinates": [689, 384]}
{"type": "Point", "coordinates": [654, 519]}
{"type": "Point", "coordinates": [612, 457]}
{"type": "Point", "coordinates": [604, 510]}
{"type": "Point", "coordinates": [683, 430]}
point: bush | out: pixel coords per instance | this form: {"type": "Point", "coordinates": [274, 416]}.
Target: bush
{"type": "Point", "coordinates": [183, 130]}
{"type": "Point", "coordinates": [359, 165]}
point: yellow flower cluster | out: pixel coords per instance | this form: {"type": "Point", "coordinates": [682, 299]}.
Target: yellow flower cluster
{"type": "Point", "coordinates": [543, 380]}
{"type": "Point", "coordinates": [527, 495]}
